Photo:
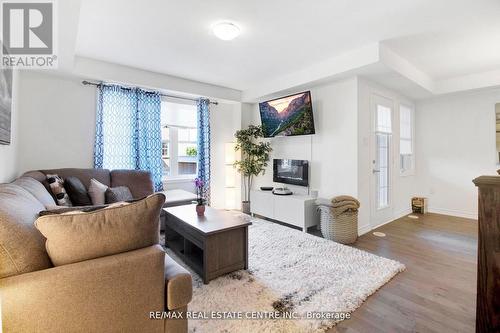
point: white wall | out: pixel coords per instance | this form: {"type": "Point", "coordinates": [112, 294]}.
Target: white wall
{"type": "Point", "coordinates": [455, 144]}
{"type": "Point", "coordinates": [9, 153]}
{"type": "Point", "coordinates": [56, 122]}
{"type": "Point", "coordinates": [332, 151]}
{"type": "Point", "coordinates": [403, 186]}
{"type": "Point", "coordinates": [111, 72]}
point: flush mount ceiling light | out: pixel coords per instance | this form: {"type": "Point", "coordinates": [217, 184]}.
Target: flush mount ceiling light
{"type": "Point", "coordinates": [226, 30]}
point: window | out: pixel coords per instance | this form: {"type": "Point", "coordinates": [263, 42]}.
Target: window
{"type": "Point", "coordinates": [179, 139]}
{"type": "Point", "coordinates": [406, 155]}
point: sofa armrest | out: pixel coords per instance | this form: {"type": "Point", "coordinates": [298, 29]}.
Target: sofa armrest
{"type": "Point", "coordinates": [139, 182]}
{"type": "Point", "coordinates": [109, 294]}
{"type": "Point", "coordinates": [178, 285]}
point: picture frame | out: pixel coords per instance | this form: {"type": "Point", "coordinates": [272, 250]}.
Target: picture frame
{"type": "Point", "coordinates": [5, 104]}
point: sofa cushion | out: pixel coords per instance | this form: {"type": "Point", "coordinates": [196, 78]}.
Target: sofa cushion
{"type": "Point", "coordinates": [97, 192]}
{"type": "Point", "coordinates": [178, 285]}
{"type": "Point", "coordinates": [117, 194]}
{"type": "Point", "coordinates": [37, 190]}
{"type": "Point", "coordinates": [139, 182]}
{"type": "Point", "coordinates": [79, 236]}
{"type": "Point", "coordinates": [77, 191]}
{"type": "Point", "coordinates": [22, 247]}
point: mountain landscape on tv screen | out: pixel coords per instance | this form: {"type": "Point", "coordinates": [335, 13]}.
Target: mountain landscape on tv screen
{"type": "Point", "coordinates": [287, 116]}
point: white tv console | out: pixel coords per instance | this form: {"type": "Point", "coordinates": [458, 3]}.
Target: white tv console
{"type": "Point", "coordinates": [296, 209]}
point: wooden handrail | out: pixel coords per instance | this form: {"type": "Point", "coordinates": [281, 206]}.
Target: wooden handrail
{"type": "Point", "coordinates": [487, 180]}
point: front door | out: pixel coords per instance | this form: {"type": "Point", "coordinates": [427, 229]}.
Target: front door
{"type": "Point", "coordinates": [381, 160]}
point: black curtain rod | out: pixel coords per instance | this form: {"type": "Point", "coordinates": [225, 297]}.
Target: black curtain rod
{"type": "Point", "coordinates": [88, 83]}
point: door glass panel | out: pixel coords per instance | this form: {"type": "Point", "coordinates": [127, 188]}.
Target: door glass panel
{"type": "Point", "coordinates": [382, 170]}
{"type": "Point", "coordinates": [384, 123]}
{"type": "Point", "coordinates": [383, 131]}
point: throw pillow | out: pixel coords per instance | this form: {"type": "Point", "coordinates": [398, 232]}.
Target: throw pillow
{"type": "Point", "coordinates": [56, 184]}
{"type": "Point", "coordinates": [78, 236]}
{"type": "Point", "coordinates": [77, 192]}
{"type": "Point", "coordinates": [117, 194]}
{"type": "Point", "coordinates": [96, 192]}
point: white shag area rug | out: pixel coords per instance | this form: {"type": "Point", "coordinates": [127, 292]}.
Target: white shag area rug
{"type": "Point", "coordinates": [293, 273]}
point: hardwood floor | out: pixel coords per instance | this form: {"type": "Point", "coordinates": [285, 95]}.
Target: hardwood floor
{"type": "Point", "coordinates": [436, 292]}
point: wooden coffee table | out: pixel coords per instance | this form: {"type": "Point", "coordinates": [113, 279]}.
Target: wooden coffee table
{"type": "Point", "coordinates": [212, 245]}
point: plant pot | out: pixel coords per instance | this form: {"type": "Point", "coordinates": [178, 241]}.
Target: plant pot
{"type": "Point", "coordinates": [245, 207]}
{"type": "Point", "coordinates": [200, 210]}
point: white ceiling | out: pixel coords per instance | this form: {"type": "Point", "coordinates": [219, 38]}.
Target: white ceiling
{"type": "Point", "coordinates": [448, 54]}
{"type": "Point", "coordinates": [442, 38]}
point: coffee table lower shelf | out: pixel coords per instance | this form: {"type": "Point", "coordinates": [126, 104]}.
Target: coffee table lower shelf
{"type": "Point", "coordinates": [193, 260]}
{"type": "Point", "coordinates": [209, 255]}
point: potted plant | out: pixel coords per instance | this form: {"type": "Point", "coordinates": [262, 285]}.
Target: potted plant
{"type": "Point", "coordinates": [254, 158]}
{"type": "Point", "coordinates": [200, 201]}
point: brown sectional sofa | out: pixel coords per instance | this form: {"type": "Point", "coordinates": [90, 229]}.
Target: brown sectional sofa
{"type": "Point", "coordinates": [114, 293]}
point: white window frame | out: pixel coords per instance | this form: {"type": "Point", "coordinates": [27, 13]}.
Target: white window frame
{"type": "Point", "coordinates": [173, 142]}
{"type": "Point", "coordinates": [411, 171]}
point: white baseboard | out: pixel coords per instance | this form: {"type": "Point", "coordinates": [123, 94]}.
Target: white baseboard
{"type": "Point", "coordinates": [367, 228]}
{"type": "Point", "coordinates": [396, 216]}
{"type": "Point", "coordinates": [364, 229]}
{"type": "Point", "coordinates": [452, 212]}
{"type": "Point", "coordinates": [402, 213]}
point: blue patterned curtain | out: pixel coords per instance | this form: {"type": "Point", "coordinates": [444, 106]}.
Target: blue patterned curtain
{"type": "Point", "coordinates": [149, 136]}
{"type": "Point", "coordinates": [128, 131]}
{"type": "Point", "coordinates": [204, 144]}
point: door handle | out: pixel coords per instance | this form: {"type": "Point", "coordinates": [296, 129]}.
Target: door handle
{"type": "Point", "coordinates": [375, 171]}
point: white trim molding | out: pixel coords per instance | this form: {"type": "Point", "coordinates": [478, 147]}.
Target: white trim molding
{"type": "Point", "coordinates": [452, 212]}
{"type": "Point", "coordinates": [367, 228]}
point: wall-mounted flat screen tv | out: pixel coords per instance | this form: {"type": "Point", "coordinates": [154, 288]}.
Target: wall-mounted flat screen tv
{"type": "Point", "coordinates": [287, 116]}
